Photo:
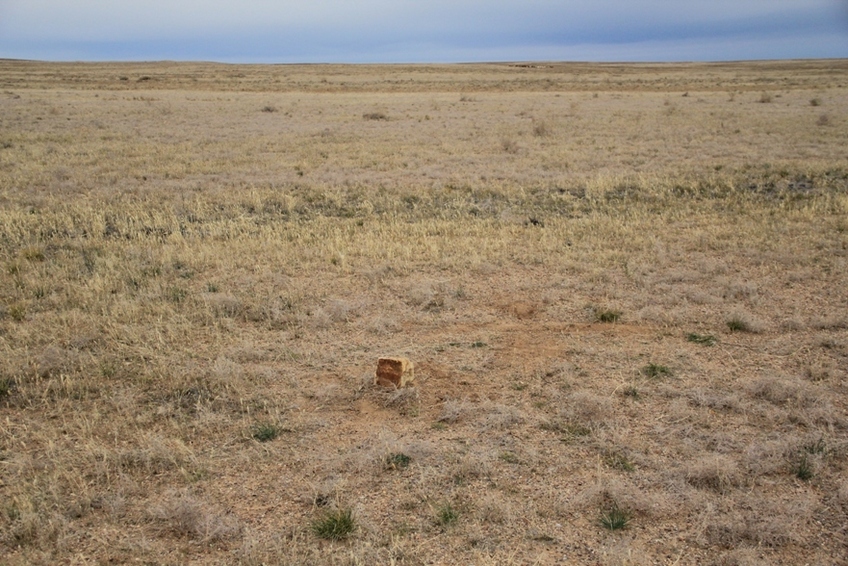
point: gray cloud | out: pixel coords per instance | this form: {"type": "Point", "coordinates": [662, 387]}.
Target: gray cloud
{"type": "Point", "coordinates": [375, 30]}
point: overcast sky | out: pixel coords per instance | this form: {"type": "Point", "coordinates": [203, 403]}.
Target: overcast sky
{"type": "Point", "coordinates": [391, 31]}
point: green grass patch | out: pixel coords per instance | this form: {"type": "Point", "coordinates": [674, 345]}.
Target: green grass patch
{"type": "Point", "coordinates": [607, 315]}
{"type": "Point", "coordinates": [738, 324]}
{"type": "Point", "coordinates": [335, 525]}
{"type": "Point", "coordinates": [803, 469]}
{"type": "Point", "coordinates": [6, 385]}
{"type": "Point", "coordinates": [703, 339]}
{"type": "Point", "coordinates": [656, 371]}
{"type": "Point", "coordinates": [614, 518]}
{"type": "Point", "coordinates": [265, 432]}
{"type": "Point", "coordinates": [397, 461]}
{"type": "Point", "coordinates": [619, 462]}
{"type": "Point", "coordinates": [447, 515]}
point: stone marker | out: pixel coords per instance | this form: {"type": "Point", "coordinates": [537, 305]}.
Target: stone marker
{"type": "Point", "coordinates": [394, 372]}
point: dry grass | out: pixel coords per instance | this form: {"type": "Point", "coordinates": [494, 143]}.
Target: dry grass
{"type": "Point", "coordinates": [199, 270]}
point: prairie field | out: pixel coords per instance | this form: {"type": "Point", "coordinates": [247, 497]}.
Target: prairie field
{"type": "Point", "coordinates": [624, 288]}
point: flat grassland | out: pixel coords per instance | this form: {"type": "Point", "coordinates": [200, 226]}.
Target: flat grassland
{"type": "Point", "coordinates": [624, 287]}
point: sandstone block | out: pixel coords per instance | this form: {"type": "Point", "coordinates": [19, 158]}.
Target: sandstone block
{"type": "Point", "coordinates": [394, 372]}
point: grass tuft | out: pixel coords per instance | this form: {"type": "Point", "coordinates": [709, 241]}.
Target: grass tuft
{"type": "Point", "coordinates": [618, 461]}
{"type": "Point", "coordinates": [397, 461]}
{"type": "Point", "coordinates": [6, 386]}
{"type": "Point", "coordinates": [607, 315]}
{"type": "Point", "coordinates": [446, 515]}
{"type": "Point", "coordinates": [656, 371]}
{"type": "Point", "coordinates": [738, 324]}
{"type": "Point", "coordinates": [630, 391]}
{"type": "Point", "coordinates": [614, 518]}
{"type": "Point", "coordinates": [703, 339]}
{"type": "Point", "coordinates": [335, 525]}
{"type": "Point", "coordinates": [803, 468]}
{"type": "Point", "coordinates": [265, 432]}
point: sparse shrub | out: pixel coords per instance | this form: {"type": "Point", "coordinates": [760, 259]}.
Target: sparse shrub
{"type": "Point", "coordinates": [335, 525]}
{"type": "Point", "coordinates": [264, 432]}
{"type": "Point", "coordinates": [375, 116]}
{"type": "Point", "coordinates": [656, 371]}
{"type": "Point", "coordinates": [783, 391]}
{"type": "Point", "coordinates": [53, 361]}
{"type": "Point", "coordinates": [570, 430]}
{"type": "Point", "coordinates": [176, 294]}
{"type": "Point", "coordinates": [429, 295]}
{"type": "Point", "coordinates": [823, 120]}
{"type": "Point", "coordinates": [17, 312]}
{"type": "Point", "coordinates": [765, 98]}
{"type": "Point", "coordinates": [586, 410]}
{"type": "Point", "coordinates": [406, 400]}
{"type": "Point", "coordinates": [269, 109]}
{"type": "Point", "coordinates": [509, 145]}
{"type": "Point", "coordinates": [714, 472]}
{"type": "Point", "coordinates": [453, 411]}
{"type": "Point", "coordinates": [108, 369]}
{"type": "Point", "coordinates": [186, 515]}
{"type": "Point", "coordinates": [502, 416]}
{"type": "Point", "coordinates": [541, 128]}
{"type": "Point", "coordinates": [614, 517]}
{"type": "Point", "coordinates": [397, 461]}
{"type": "Point", "coordinates": [704, 339]}
{"type": "Point", "coordinates": [224, 305]}
{"type": "Point", "coordinates": [607, 315]}
{"type": "Point", "coordinates": [815, 102]}
{"type": "Point", "coordinates": [33, 253]}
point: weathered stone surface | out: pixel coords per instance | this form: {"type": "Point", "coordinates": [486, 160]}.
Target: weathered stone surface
{"type": "Point", "coordinates": [394, 372]}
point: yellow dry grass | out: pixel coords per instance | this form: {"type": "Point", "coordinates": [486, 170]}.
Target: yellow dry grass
{"type": "Point", "coordinates": [200, 265]}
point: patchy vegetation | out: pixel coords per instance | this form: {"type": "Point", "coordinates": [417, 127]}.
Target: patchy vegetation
{"type": "Point", "coordinates": [198, 274]}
